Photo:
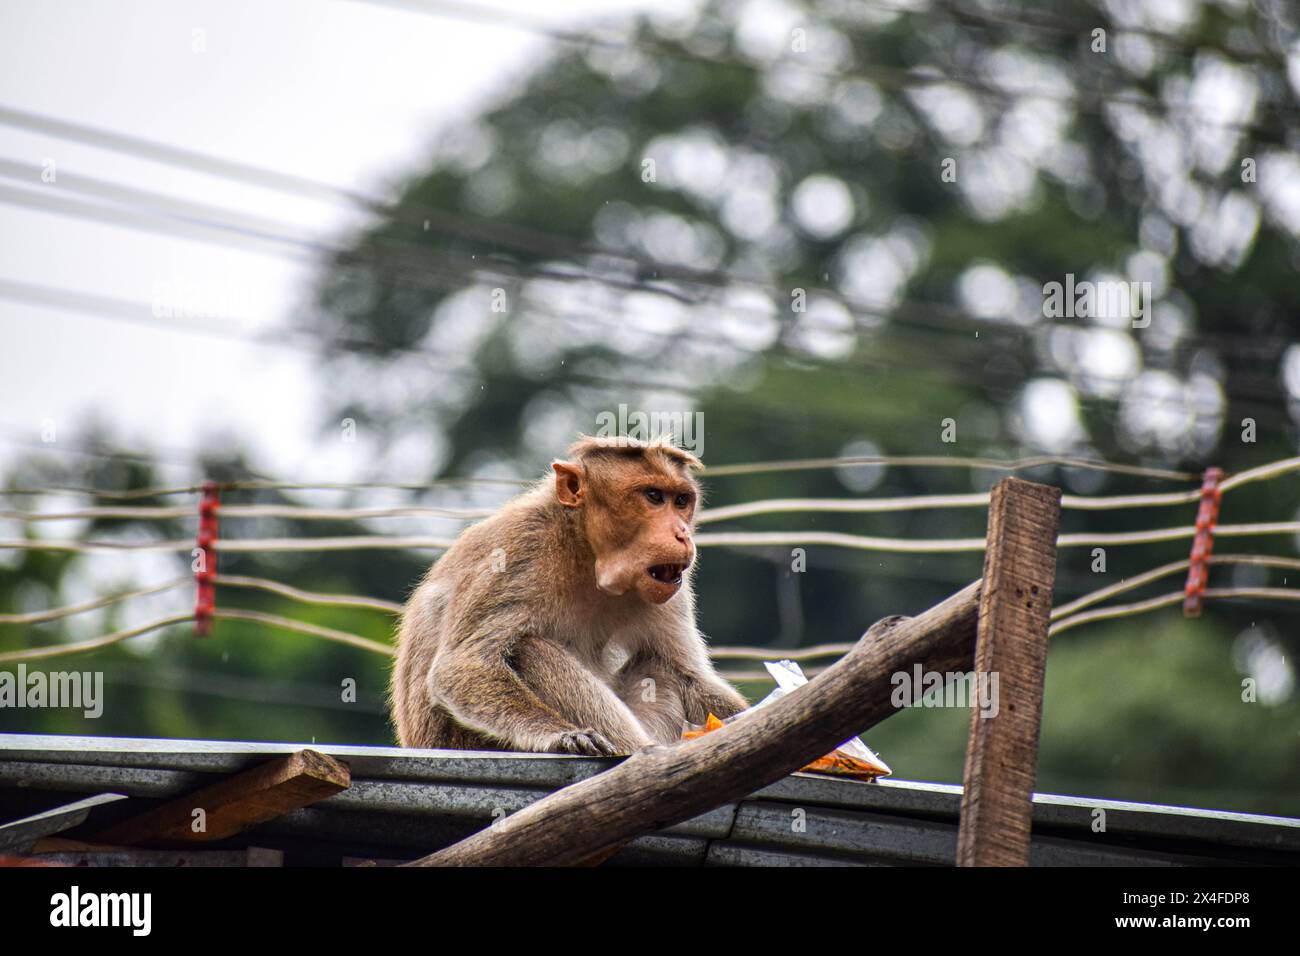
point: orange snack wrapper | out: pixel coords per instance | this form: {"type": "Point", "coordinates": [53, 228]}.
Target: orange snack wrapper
{"type": "Point", "coordinates": [711, 724]}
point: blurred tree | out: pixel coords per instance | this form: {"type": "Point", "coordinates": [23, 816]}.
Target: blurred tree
{"type": "Point", "coordinates": [829, 227]}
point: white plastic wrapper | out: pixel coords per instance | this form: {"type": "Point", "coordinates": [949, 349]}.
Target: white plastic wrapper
{"type": "Point", "coordinates": [789, 676]}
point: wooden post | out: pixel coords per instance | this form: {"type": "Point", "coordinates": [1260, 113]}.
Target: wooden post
{"type": "Point", "coordinates": [254, 796]}
{"type": "Point", "coordinates": [1015, 609]}
{"type": "Point", "coordinates": [663, 785]}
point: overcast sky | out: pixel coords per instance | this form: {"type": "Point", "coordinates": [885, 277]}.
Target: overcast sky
{"type": "Point", "coordinates": [343, 92]}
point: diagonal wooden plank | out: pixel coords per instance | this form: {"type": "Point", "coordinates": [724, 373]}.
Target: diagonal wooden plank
{"type": "Point", "coordinates": [254, 796]}
{"type": "Point", "coordinates": [22, 833]}
{"type": "Point", "coordinates": [663, 785]}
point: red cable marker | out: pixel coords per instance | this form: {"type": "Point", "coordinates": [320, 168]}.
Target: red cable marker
{"type": "Point", "coordinates": [205, 571]}
{"type": "Point", "coordinates": [1208, 515]}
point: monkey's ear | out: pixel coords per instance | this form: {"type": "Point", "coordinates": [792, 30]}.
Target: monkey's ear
{"type": "Point", "coordinates": [568, 483]}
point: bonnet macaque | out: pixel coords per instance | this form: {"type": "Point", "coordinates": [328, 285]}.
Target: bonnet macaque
{"type": "Point", "coordinates": [565, 623]}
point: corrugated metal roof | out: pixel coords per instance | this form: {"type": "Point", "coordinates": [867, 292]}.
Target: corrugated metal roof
{"type": "Point", "coordinates": [403, 803]}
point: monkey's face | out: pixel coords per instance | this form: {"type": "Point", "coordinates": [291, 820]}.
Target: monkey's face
{"type": "Point", "coordinates": [639, 523]}
{"type": "Point", "coordinates": [656, 558]}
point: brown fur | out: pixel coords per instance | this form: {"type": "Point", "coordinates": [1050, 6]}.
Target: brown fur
{"type": "Point", "coordinates": [540, 627]}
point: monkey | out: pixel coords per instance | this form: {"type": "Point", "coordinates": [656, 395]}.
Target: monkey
{"type": "Point", "coordinates": [565, 622]}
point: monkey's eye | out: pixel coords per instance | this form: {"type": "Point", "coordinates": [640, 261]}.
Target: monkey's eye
{"type": "Point", "coordinates": [682, 500]}
{"type": "Point", "coordinates": [655, 496]}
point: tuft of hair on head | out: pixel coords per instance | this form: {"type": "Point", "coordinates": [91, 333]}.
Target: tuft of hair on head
{"type": "Point", "coordinates": [661, 447]}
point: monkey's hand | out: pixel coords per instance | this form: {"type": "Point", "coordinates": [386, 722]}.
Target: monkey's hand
{"type": "Point", "coordinates": [711, 695]}
{"type": "Point", "coordinates": [588, 742]}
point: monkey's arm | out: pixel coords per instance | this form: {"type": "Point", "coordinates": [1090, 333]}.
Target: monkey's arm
{"type": "Point", "coordinates": [690, 678]}
{"type": "Point", "coordinates": [703, 691]}
{"type": "Point", "coordinates": [533, 695]}
{"type": "Point", "coordinates": [573, 691]}
{"type": "Point", "coordinates": [706, 693]}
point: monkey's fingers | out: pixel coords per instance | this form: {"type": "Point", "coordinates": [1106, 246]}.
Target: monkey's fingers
{"type": "Point", "coordinates": [589, 743]}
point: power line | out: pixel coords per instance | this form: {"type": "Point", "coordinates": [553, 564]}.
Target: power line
{"type": "Point", "coordinates": [422, 265]}
{"type": "Point", "coordinates": [54, 614]}
{"type": "Point", "coordinates": [520, 237]}
{"type": "Point", "coordinates": [1262, 472]}
{"type": "Point", "coordinates": [104, 307]}
{"type": "Point", "coordinates": [191, 229]}
{"type": "Point", "coordinates": [838, 539]}
{"type": "Point", "coordinates": [979, 500]}
{"type": "Point", "coordinates": [225, 580]}
{"type": "Point", "coordinates": [1164, 571]}
{"type": "Point", "coordinates": [1065, 616]}
{"type": "Point", "coordinates": [1151, 604]}
{"type": "Point", "coordinates": [835, 539]}
{"type": "Point", "coordinates": [510, 235]}
{"type": "Point", "coordinates": [308, 597]}
{"type": "Point", "coordinates": [721, 653]}
{"type": "Point", "coordinates": [129, 197]}
{"type": "Point", "coordinates": [178, 156]}
{"type": "Point", "coordinates": [116, 309]}
{"type": "Point", "coordinates": [907, 503]}
{"type": "Point", "coordinates": [79, 647]}
{"type": "Point", "coordinates": [954, 461]}
{"type": "Point", "coordinates": [258, 230]}
{"type": "Point", "coordinates": [294, 512]}
{"type": "Point", "coordinates": [201, 222]}
{"type": "Point", "coordinates": [1064, 611]}
{"type": "Point", "coordinates": [233, 614]}
{"type": "Point", "coordinates": [259, 485]}
{"type": "Point", "coordinates": [194, 221]}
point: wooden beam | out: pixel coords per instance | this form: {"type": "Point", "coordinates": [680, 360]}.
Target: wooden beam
{"type": "Point", "coordinates": [243, 800]}
{"type": "Point", "coordinates": [663, 785]}
{"type": "Point", "coordinates": [1015, 610]}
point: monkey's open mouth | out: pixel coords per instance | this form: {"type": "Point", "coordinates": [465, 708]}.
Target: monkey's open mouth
{"type": "Point", "coordinates": [667, 573]}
